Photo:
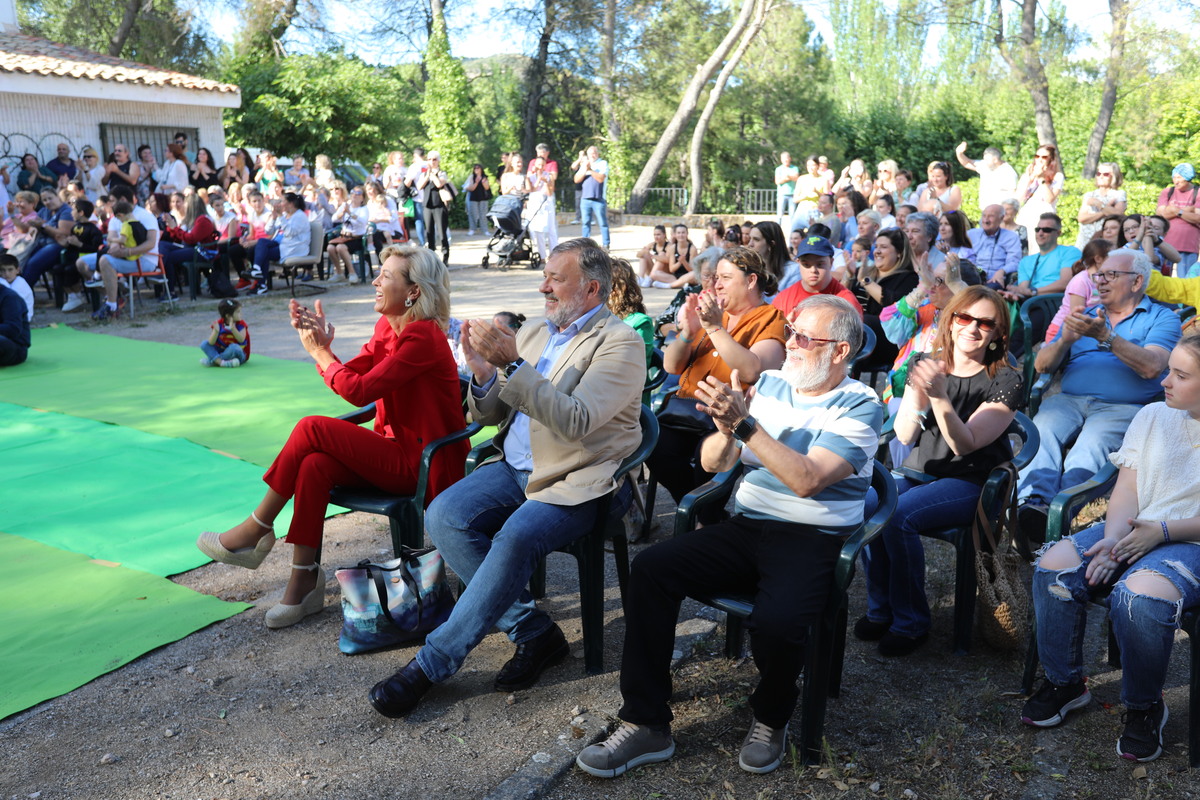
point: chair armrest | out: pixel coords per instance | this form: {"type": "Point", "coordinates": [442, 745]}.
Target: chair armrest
{"type": "Point", "coordinates": [1037, 390]}
{"type": "Point", "coordinates": [479, 453]}
{"type": "Point", "coordinates": [361, 415]}
{"type": "Point", "coordinates": [885, 490]}
{"type": "Point", "coordinates": [431, 449]}
{"type": "Point", "coordinates": [716, 491]}
{"type": "Point", "coordinates": [1066, 504]}
{"type": "Point", "coordinates": [662, 401]}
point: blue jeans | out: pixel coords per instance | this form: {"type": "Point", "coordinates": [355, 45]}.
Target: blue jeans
{"type": "Point", "coordinates": [493, 538]}
{"type": "Point", "coordinates": [419, 224]}
{"type": "Point", "coordinates": [1100, 428]}
{"type": "Point", "coordinates": [785, 204]}
{"type": "Point", "coordinates": [600, 209]}
{"type": "Point", "coordinates": [1186, 265]}
{"type": "Point", "coordinates": [895, 562]}
{"type": "Point", "coordinates": [42, 260]}
{"type": "Point", "coordinates": [233, 351]}
{"type": "Point", "coordinates": [1144, 626]}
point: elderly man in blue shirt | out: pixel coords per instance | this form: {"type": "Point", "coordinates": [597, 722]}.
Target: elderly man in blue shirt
{"type": "Point", "coordinates": [1113, 357]}
{"type": "Point", "coordinates": [997, 249]}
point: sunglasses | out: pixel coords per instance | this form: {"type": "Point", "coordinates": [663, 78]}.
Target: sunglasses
{"type": "Point", "coordinates": [985, 325]}
{"type": "Point", "coordinates": [1046, 230]}
{"type": "Point", "coordinates": [804, 340]}
{"type": "Point", "coordinates": [1104, 174]}
{"type": "Point", "coordinates": [1042, 156]}
{"type": "Point", "coordinates": [1110, 275]}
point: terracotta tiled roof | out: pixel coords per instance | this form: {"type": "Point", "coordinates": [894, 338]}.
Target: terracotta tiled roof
{"type": "Point", "coordinates": [34, 56]}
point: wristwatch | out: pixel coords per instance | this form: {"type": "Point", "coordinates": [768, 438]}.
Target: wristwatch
{"type": "Point", "coordinates": [1106, 343]}
{"type": "Point", "coordinates": [512, 367]}
{"type": "Point", "coordinates": [745, 429]}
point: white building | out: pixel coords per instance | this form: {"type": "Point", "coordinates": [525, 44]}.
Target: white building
{"type": "Point", "coordinates": [51, 93]}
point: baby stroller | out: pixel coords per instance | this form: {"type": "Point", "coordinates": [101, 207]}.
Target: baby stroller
{"type": "Point", "coordinates": [510, 242]}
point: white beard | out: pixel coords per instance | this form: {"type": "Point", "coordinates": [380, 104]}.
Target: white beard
{"type": "Point", "coordinates": [804, 376]}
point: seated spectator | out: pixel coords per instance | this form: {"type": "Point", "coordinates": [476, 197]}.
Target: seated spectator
{"type": "Point", "coordinates": [405, 368]}
{"type": "Point", "coordinates": [905, 194]}
{"type": "Point", "coordinates": [650, 253]}
{"type": "Point", "coordinates": [288, 236]}
{"type": "Point", "coordinates": [849, 205]}
{"type": "Point", "coordinates": [1111, 230]}
{"type": "Point", "coordinates": [85, 238]}
{"type": "Point", "coordinates": [625, 301]}
{"type": "Point", "coordinates": [55, 228]}
{"type": "Point", "coordinates": [1113, 356]}
{"type": "Point", "coordinates": [62, 166]}
{"type": "Point", "coordinates": [794, 240]}
{"type": "Point", "coordinates": [868, 226]}
{"type": "Point", "coordinates": [860, 260]}
{"type": "Point", "coordinates": [233, 172]}
{"type": "Point", "coordinates": [714, 238]}
{"type": "Point", "coordinates": [922, 231]}
{"type": "Point", "coordinates": [14, 324]}
{"type": "Point", "coordinates": [902, 212]}
{"type": "Point", "coordinates": [33, 177]}
{"type": "Point", "coordinates": [352, 216]}
{"type": "Point", "coordinates": [952, 236]}
{"type": "Point", "coordinates": [268, 172]}
{"type": "Point", "coordinates": [885, 207]}
{"type": "Point", "coordinates": [1178, 204]}
{"type": "Point", "coordinates": [1043, 271]}
{"type": "Point", "coordinates": [1011, 208]}
{"type": "Point", "coordinates": [806, 439]}
{"type": "Point", "coordinates": [1146, 233]}
{"type": "Point", "coordinates": [296, 176]}
{"type": "Point", "coordinates": [666, 324]}
{"type": "Point", "coordinates": [193, 239]}
{"type": "Point", "coordinates": [325, 177]}
{"type": "Point", "coordinates": [1105, 201]}
{"type": "Point", "coordinates": [815, 255]}
{"type": "Point", "coordinates": [766, 239]}
{"type": "Point", "coordinates": [958, 401]}
{"type": "Point", "coordinates": [827, 216]}
{"type": "Point", "coordinates": [891, 278]}
{"type": "Point", "coordinates": [1081, 288]}
{"type": "Point", "coordinates": [732, 327]}
{"type": "Point", "coordinates": [997, 251]}
{"type": "Point", "coordinates": [10, 276]}
{"type": "Point", "coordinates": [1145, 551]}
{"type": "Point", "coordinates": [578, 379]}
{"type": "Point", "coordinates": [22, 211]}
{"type": "Point", "coordinates": [136, 251]}
{"type": "Point", "coordinates": [673, 266]}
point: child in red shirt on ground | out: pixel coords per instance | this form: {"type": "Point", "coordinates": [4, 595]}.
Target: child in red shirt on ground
{"type": "Point", "coordinates": [229, 343]}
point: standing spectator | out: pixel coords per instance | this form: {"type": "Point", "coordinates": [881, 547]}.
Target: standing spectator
{"type": "Point", "coordinates": [436, 207]}
{"type": "Point", "coordinates": [1040, 186]}
{"type": "Point", "coordinates": [1104, 201]}
{"type": "Point", "coordinates": [513, 180]}
{"type": "Point", "coordinates": [296, 176]}
{"type": "Point", "coordinates": [34, 177]}
{"type": "Point", "coordinates": [855, 176]}
{"type": "Point", "coordinates": [479, 192]}
{"type": "Point", "coordinates": [122, 171]}
{"type": "Point", "coordinates": [232, 172]}
{"type": "Point", "coordinates": [91, 171]}
{"type": "Point", "coordinates": [14, 327]}
{"type": "Point", "coordinates": [324, 176]}
{"type": "Point", "coordinates": [997, 178]}
{"type": "Point", "coordinates": [172, 176]}
{"type": "Point", "coordinates": [393, 175]}
{"type": "Point", "coordinates": [809, 188]}
{"type": "Point", "coordinates": [63, 168]}
{"type": "Point", "coordinates": [540, 206]}
{"type": "Point", "coordinates": [1113, 356]}
{"type": "Point", "coordinates": [593, 177]}
{"type": "Point", "coordinates": [885, 182]}
{"type": "Point", "coordinates": [1177, 203]}
{"type": "Point", "coordinates": [575, 166]}
{"type": "Point", "coordinates": [785, 188]}
{"type": "Point", "coordinates": [412, 176]}
{"type": "Point", "coordinates": [181, 139]}
{"type": "Point", "coordinates": [997, 251]}
{"type": "Point", "coordinates": [203, 172]}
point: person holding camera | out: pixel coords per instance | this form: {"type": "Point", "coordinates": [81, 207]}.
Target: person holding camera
{"type": "Point", "coordinates": [437, 192]}
{"type": "Point", "coordinates": [592, 176]}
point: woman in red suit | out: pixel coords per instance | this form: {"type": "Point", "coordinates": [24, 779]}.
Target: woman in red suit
{"type": "Point", "coordinates": [408, 370]}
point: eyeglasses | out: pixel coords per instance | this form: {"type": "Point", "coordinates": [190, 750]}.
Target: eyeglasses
{"type": "Point", "coordinates": [804, 340]}
{"type": "Point", "coordinates": [1047, 230]}
{"type": "Point", "coordinates": [1110, 275]}
{"type": "Point", "coordinates": [985, 325]}
{"type": "Point", "coordinates": [1104, 174]}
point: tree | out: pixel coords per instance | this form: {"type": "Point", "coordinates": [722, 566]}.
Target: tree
{"type": "Point", "coordinates": [1119, 10]}
{"type": "Point", "coordinates": [686, 108]}
{"type": "Point", "coordinates": [761, 9]}
{"type": "Point", "coordinates": [445, 99]}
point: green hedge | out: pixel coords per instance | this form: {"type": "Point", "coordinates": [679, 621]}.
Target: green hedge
{"type": "Point", "coordinates": [1142, 199]}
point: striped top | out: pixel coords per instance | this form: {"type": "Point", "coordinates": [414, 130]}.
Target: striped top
{"type": "Point", "coordinates": [846, 421]}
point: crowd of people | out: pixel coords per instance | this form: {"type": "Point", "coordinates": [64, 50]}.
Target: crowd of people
{"type": "Point", "coordinates": [766, 339]}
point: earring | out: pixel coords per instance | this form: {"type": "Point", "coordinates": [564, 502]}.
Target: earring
{"type": "Point", "coordinates": [992, 346]}
{"type": "Point", "coordinates": [408, 301]}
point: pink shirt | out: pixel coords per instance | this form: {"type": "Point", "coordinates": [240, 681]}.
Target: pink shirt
{"type": "Point", "coordinates": [1182, 235]}
{"type": "Point", "coordinates": [1081, 286]}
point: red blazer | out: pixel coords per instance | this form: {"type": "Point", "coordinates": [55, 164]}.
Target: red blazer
{"type": "Point", "coordinates": [203, 231]}
{"type": "Point", "coordinates": [413, 381]}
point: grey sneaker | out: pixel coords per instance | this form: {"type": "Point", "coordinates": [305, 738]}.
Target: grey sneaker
{"type": "Point", "coordinates": [628, 746]}
{"type": "Point", "coordinates": [762, 751]}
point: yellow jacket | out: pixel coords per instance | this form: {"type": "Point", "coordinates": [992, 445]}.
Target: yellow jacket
{"type": "Point", "coordinates": [1174, 290]}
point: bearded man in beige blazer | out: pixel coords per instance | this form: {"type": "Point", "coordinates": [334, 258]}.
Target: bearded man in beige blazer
{"type": "Point", "coordinates": [567, 397]}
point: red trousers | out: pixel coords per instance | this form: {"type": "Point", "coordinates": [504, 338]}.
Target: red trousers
{"type": "Point", "coordinates": [324, 452]}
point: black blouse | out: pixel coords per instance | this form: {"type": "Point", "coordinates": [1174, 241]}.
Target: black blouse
{"type": "Point", "coordinates": [932, 454]}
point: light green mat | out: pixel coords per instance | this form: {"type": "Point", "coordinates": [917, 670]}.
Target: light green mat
{"type": "Point", "coordinates": [66, 619]}
{"type": "Point", "coordinates": [118, 494]}
{"type": "Point", "coordinates": [161, 388]}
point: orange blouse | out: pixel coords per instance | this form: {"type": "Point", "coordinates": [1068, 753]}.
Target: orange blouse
{"type": "Point", "coordinates": [762, 323]}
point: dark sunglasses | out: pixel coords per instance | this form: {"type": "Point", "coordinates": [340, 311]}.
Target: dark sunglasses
{"type": "Point", "coordinates": [985, 325]}
{"type": "Point", "coordinates": [1046, 230]}
{"type": "Point", "coordinates": [802, 339]}
{"type": "Point", "coordinates": [1104, 174]}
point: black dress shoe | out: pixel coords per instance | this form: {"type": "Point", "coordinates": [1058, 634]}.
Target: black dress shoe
{"type": "Point", "coordinates": [400, 694]}
{"type": "Point", "coordinates": [525, 667]}
{"type": "Point", "coordinates": [868, 630]}
{"type": "Point", "coordinates": [895, 644]}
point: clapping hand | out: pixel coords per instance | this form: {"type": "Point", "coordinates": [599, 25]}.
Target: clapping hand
{"type": "Point", "coordinates": [726, 403]}
{"type": "Point", "coordinates": [929, 377]}
{"type": "Point", "coordinates": [496, 344]}
{"type": "Point", "coordinates": [711, 311]}
{"type": "Point", "coordinates": [1080, 325]}
{"type": "Point", "coordinates": [689, 317]}
{"type": "Point", "coordinates": [315, 332]}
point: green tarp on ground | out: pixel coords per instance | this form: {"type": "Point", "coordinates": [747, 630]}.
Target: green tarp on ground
{"type": "Point", "coordinates": [65, 619]}
{"type": "Point", "coordinates": [118, 494]}
{"type": "Point", "coordinates": [161, 388]}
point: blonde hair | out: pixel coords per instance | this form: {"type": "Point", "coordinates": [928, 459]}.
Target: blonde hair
{"type": "Point", "coordinates": [1117, 177]}
{"type": "Point", "coordinates": [428, 272]}
{"type": "Point", "coordinates": [323, 161]}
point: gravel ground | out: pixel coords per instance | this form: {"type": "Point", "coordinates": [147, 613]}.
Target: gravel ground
{"type": "Point", "coordinates": [237, 711]}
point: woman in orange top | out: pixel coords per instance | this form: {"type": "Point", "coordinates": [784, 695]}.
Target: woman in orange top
{"type": "Point", "coordinates": [728, 328]}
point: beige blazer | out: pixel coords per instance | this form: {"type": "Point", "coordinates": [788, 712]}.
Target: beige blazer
{"type": "Point", "coordinates": [583, 417]}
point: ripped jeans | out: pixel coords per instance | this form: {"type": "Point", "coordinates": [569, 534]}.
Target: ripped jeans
{"type": "Point", "coordinates": [1144, 626]}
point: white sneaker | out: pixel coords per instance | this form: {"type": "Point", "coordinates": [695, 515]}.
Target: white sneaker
{"type": "Point", "coordinates": [74, 302]}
